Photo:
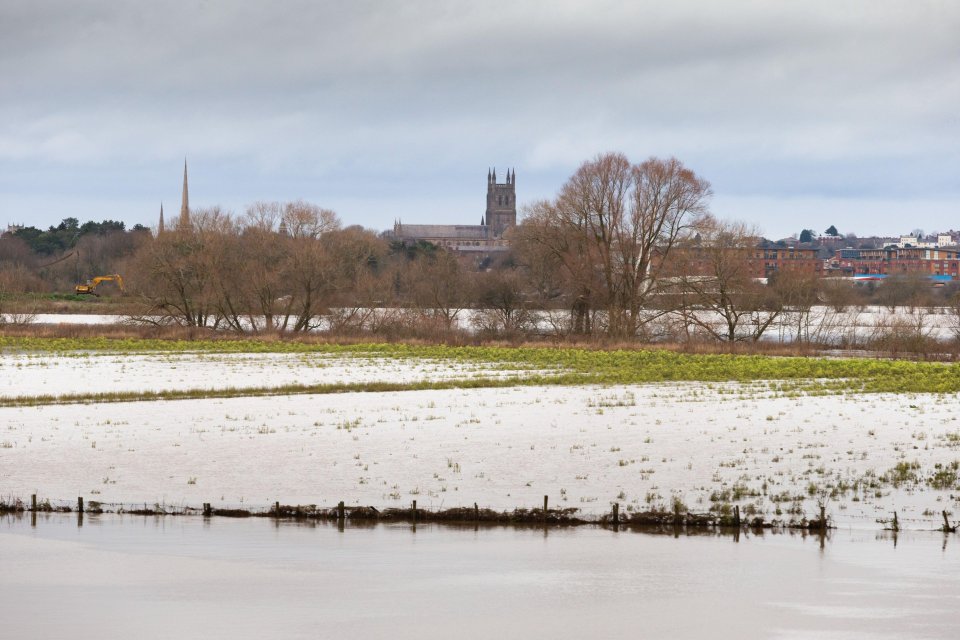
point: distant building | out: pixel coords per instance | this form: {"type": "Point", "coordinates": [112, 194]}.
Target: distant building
{"type": "Point", "coordinates": [767, 258]}
{"type": "Point", "coordinates": [184, 220]}
{"type": "Point", "coordinates": [763, 260]}
{"type": "Point", "coordinates": [944, 263]}
{"type": "Point", "coordinates": [943, 240]}
{"type": "Point", "coordinates": [500, 215]}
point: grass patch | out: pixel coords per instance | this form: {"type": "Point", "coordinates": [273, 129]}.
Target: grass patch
{"type": "Point", "coordinates": [564, 366]}
{"type": "Point", "coordinates": [282, 390]}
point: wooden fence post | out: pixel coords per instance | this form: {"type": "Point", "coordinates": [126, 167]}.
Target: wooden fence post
{"type": "Point", "coordinates": [276, 509]}
{"type": "Point", "coordinates": [79, 505]}
{"type": "Point", "coordinates": [207, 510]}
{"type": "Point", "coordinates": [546, 500]}
{"type": "Point", "coordinates": [341, 512]}
{"type": "Point", "coordinates": [33, 505]}
{"type": "Point", "coordinates": [736, 516]}
{"type": "Point", "coordinates": [414, 512]}
{"type": "Point", "coordinates": [616, 513]}
{"type": "Point", "coordinates": [476, 512]}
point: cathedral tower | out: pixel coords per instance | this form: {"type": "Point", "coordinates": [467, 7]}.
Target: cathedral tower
{"type": "Point", "coordinates": [501, 203]}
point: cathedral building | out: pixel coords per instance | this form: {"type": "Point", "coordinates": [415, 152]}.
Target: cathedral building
{"type": "Point", "coordinates": [501, 214]}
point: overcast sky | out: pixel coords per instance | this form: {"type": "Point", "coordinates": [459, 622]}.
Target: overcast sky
{"type": "Point", "coordinates": [800, 114]}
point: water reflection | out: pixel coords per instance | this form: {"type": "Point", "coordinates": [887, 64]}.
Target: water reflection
{"type": "Point", "coordinates": [152, 577]}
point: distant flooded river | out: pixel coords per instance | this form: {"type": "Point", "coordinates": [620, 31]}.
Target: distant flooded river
{"type": "Point", "coordinates": [134, 577]}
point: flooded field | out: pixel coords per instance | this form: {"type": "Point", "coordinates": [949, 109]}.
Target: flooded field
{"type": "Point", "coordinates": [645, 447]}
{"type": "Point", "coordinates": [851, 326]}
{"type": "Point", "coordinates": [774, 452]}
{"type": "Point", "coordinates": [34, 374]}
{"type": "Point", "coordinates": [127, 576]}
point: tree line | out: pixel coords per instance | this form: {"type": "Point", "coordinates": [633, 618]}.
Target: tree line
{"type": "Point", "coordinates": [623, 251]}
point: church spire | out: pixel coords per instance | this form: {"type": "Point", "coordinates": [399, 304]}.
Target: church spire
{"type": "Point", "coordinates": [160, 228]}
{"type": "Point", "coordinates": [185, 203]}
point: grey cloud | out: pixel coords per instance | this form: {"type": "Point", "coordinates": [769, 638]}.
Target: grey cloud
{"type": "Point", "coordinates": [339, 99]}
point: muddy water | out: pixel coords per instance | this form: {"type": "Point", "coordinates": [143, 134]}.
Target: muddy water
{"type": "Point", "coordinates": [133, 577]}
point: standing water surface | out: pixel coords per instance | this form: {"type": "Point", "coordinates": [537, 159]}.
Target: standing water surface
{"type": "Point", "coordinates": [135, 577]}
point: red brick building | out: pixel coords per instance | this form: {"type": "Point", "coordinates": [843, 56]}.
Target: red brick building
{"type": "Point", "coordinates": [762, 260]}
{"type": "Point", "coordinates": [898, 261]}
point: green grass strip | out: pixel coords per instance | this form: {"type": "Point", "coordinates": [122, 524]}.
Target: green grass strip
{"type": "Point", "coordinates": [573, 365]}
{"type": "Point", "coordinates": [284, 390]}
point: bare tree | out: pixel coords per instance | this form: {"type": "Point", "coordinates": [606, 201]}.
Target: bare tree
{"type": "Point", "coordinates": [502, 308]}
{"type": "Point", "coordinates": [177, 274]}
{"type": "Point", "coordinates": [560, 262]}
{"type": "Point", "coordinates": [263, 216]}
{"type": "Point", "coordinates": [610, 228]}
{"type": "Point", "coordinates": [362, 287]}
{"type": "Point", "coordinates": [15, 280]}
{"type": "Point", "coordinates": [439, 288]}
{"type": "Point", "coordinates": [910, 290]}
{"type": "Point", "coordinates": [310, 271]}
{"type": "Point", "coordinates": [798, 292]}
{"type": "Point", "coordinates": [838, 293]}
{"type": "Point", "coordinates": [952, 309]}
{"type": "Point", "coordinates": [305, 220]}
{"type": "Point", "coordinates": [717, 292]}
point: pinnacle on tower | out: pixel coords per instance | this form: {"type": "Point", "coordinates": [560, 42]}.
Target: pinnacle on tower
{"type": "Point", "coordinates": [160, 228]}
{"type": "Point", "coordinates": [185, 203]}
{"type": "Point", "coordinates": [494, 175]}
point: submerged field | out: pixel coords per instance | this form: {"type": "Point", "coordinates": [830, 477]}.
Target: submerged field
{"type": "Point", "coordinates": [497, 426]}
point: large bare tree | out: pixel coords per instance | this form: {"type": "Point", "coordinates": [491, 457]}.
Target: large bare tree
{"type": "Point", "coordinates": [609, 230]}
{"type": "Point", "coordinates": [179, 275]}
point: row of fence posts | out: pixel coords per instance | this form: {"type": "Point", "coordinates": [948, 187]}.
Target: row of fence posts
{"type": "Point", "coordinates": [615, 519]}
{"type": "Point", "coordinates": [341, 512]}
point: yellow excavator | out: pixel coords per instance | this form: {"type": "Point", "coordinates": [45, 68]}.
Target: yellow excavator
{"type": "Point", "coordinates": [91, 287]}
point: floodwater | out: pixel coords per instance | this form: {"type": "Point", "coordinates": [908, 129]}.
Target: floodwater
{"type": "Point", "coordinates": [135, 577]}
